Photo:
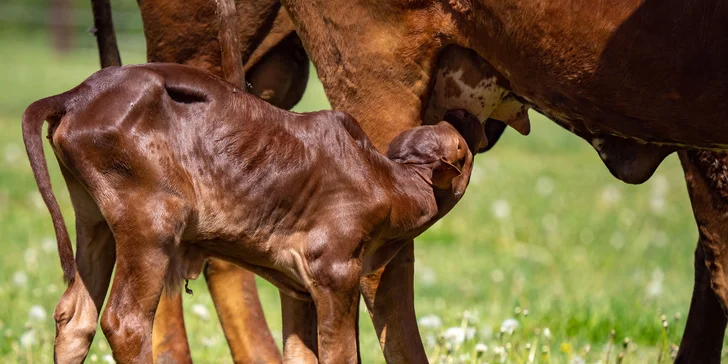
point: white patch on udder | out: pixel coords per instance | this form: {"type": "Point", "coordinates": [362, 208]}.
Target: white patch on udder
{"type": "Point", "coordinates": [480, 100]}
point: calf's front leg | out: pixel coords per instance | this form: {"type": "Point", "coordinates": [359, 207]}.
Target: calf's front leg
{"type": "Point", "coordinates": [389, 295]}
{"type": "Point", "coordinates": [337, 308]}
{"type": "Point", "coordinates": [300, 334]}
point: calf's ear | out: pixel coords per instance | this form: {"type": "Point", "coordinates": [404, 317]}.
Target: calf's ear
{"type": "Point", "coordinates": [443, 173]}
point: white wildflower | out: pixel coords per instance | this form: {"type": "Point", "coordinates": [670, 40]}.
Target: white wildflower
{"type": "Point", "coordinates": [577, 360]}
{"type": "Point", "coordinates": [31, 257]}
{"type": "Point", "coordinates": [658, 205]}
{"type": "Point", "coordinates": [94, 358]}
{"type": "Point", "coordinates": [108, 359]}
{"type": "Point", "coordinates": [48, 245]}
{"type": "Point", "coordinates": [28, 339]}
{"type": "Point", "coordinates": [35, 199]}
{"type": "Point", "coordinates": [481, 348]}
{"type": "Point", "coordinates": [20, 278]}
{"type": "Point", "coordinates": [610, 195]}
{"type": "Point", "coordinates": [497, 276]}
{"type": "Point", "coordinates": [617, 240]}
{"type": "Point", "coordinates": [208, 341]}
{"type": "Point", "coordinates": [547, 333]}
{"type": "Point", "coordinates": [427, 275]}
{"type": "Point", "coordinates": [509, 325]}
{"type": "Point", "coordinates": [52, 288]}
{"type": "Point", "coordinates": [12, 153]}
{"type": "Point", "coordinates": [37, 313]}
{"type": "Point", "coordinates": [454, 336]}
{"type": "Point", "coordinates": [544, 186]}
{"type": "Point", "coordinates": [201, 311]}
{"type": "Point", "coordinates": [430, 322]}
{"type": "Point", "coordinates": [501, 209]}
{"type": "Point", "coordinates": [654, 287]}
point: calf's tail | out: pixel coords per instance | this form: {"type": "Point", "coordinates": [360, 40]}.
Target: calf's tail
{"type": "Point", "coordinates": [51, 109]}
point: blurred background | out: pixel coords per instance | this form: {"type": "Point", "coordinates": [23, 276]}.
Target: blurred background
{"type": "Point", "coordinates": [543, 258]}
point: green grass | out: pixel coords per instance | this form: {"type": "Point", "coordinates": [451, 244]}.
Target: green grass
{"type": "Point", "coordinates": [544, 227]}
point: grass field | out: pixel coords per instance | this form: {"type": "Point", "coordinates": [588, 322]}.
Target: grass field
{"type": "Point", "coordinates": [544, 229]}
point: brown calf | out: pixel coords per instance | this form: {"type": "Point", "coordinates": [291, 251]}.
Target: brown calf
{"type": "Point", "coordinates": [168, 165]}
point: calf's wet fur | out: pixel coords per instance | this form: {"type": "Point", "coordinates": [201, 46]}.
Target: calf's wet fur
{"type": "Point", "coordinates": [168, 165]}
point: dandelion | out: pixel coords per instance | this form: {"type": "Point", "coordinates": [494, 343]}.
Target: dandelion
{"type": "Point", "coordinates": [201, 311]}
{"type": "Point", "coordinates": [28, 339]}
{"type": "Point", "coordinates": [31, 256]}
{"type": "Point", "coordinates": [37, 313]}
{"type": "Point", "coordinates": [208, 341]}
{"type": "Point", "coordinates": [509, 325]}
{"type": "Point", "coordinates": [654, 287]}
{"type": "Point", "coordinates": [610, 195]}
{"type": "Point", "coordinates": [12, 153]}
{"type": "Point", "coordinates": [454, 336]}
{"type": "Point", "coordinates": [427, 275]}
{"type": "Point", "coordinates": [52, 288]}
{"type": "Point", "coordinates": [658, 205]}
{"type": "Point", "coordinates": [20, 278]}
{"type": "Point", "coordinates": [544, 186]}
{"type": "Point", "coordinates": [108, 359]}
{"type": "Point", "coordinates": [497, 276]}
{"type": "Point", "coordinates": [470, 317]}
{"type": "Point", "coordinates": [430, 322]}
{"type": "Point", "coordinates": [617, 240]}
{"type": "Point", "coordinates": [36, 200]}
{"type": "Point", "coordinates": [48, 245]}
{"type": "Point", "coordinates": [660, 239]}
{"type": "Point", "coordinates": [501, 209]}
{"type": "Point", "coordinates": [480, 349]}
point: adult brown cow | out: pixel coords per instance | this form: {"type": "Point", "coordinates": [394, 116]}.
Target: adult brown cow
{"type": "Point", "coordinates": [636, 79]}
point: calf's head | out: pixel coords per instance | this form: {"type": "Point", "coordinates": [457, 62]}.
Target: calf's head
{"type": "Point", "coordinates": [443, 156]}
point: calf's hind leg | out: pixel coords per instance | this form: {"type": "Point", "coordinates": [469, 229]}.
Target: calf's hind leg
{"type": "Point", "coordinates": [77, 312]}
{"type": "Point", "coordinates": [147, 229]}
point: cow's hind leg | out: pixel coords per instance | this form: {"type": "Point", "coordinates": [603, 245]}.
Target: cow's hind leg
{"type": "Point", "coordinates": [148, 230]}
{"type": "Point", "coordinates": [235, 296]}
{"type": "Point", "coordinates": [706, 175]}
{"type": "Point", "coordinates": [77, 312]}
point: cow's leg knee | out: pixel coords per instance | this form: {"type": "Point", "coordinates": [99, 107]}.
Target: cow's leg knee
{"type": "Point", "coordinates": [76, 314]}
{"type": "Point", "coordinates": [300, 340]}
{"type": "Point", "coordinates": [145, 238]}
{"type": "Point", "coordinates": [389, 296]}
{"type": "Point", "coordinates": [235, 295]}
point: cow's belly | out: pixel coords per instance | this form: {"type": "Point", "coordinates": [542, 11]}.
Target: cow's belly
{"type": "Point", "coordinates": [463, 80]}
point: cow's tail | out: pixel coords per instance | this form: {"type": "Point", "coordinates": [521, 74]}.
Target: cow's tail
{"type": "Point", "coordinates": [105, 35]}
{"type": "Point", "coordinates": [51, 109]}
